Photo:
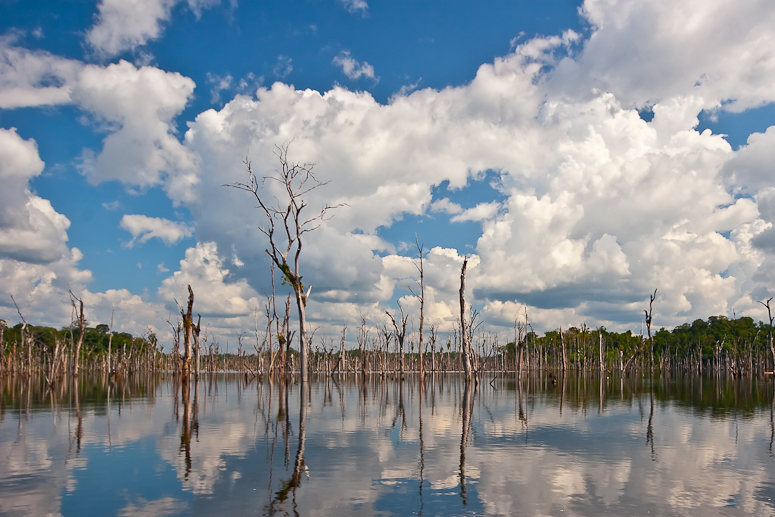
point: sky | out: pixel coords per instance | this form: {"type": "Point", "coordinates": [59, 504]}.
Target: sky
{"type": "Point", "coordinates": [579, 154]}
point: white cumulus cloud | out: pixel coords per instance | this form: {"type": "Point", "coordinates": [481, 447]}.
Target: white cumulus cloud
{"type": "Point", "coordinates": [139, 104]}
{"type": "Point", "coordinates": [353, 68]}
{"type": "Point", "coordinates": [127, 24]}
{"type": "Point", "coordinates": [144, 228]}
{"type": "Point", "coordinates": [34, 78]}
{"type": "Point", "coordinates": [355, 5]}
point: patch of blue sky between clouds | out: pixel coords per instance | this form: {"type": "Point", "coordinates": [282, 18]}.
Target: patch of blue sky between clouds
{"type": "Point", "coordinates": [95, 214]}
{"type": "Point", "coordinates": [428, 46]}
{"type": "Point", "coordinates": [738, 126]}
{"type": "Point", "coordinates": [95, 211]}
{"type": "Point", "coordinates": [41, 27]}
{"type": "Point", "coordinates": [437, 228]}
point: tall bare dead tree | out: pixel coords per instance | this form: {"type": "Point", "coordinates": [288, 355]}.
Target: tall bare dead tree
{"type": "Point", "coordinates": [600, 351]}
{"type": "Point", "coordinates": [110, 339]}
{"type": "Point", "coordinates": [421, 297]}
{"type": "Point", "coordinates": [188, 326]}
{"type": "Point", "coordinates": [287, 214]}
{"type": "Point", "coordinates": [564, 358]}
{"type": "Point", "coordinates": [433, 348]}
{"type": "Point", "coordinates": [3, 324]}
{"type": "Point", "coordinates": [769, 315]}
{"type": "Point", "coordinates": [652, 297]}
{"type": "Point", "coordinates": [81, 329]}
{"type": "Point", "coordinates": [363, 337]}
{"type": "Point", "coordinates": [25, 337]}
{"type": "Point", "coordinates": [464, 335]}
{"type": "Point", "coordinates": [400, 334]}
{"type": "Point", "coordinates": [196, 331]}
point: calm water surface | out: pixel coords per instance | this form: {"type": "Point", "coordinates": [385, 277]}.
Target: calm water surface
{"type": "Point", "coordinates": [144, 446]}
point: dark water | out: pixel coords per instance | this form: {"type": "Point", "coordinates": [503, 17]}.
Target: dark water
{"type": "Point", "coordinates": [679, 446]}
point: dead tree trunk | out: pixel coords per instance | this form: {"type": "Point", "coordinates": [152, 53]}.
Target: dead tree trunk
{"type": "Point", "coordinates": [188, 323]}
{"type": "Point", "coordinates": [2, 347]}
{"type": "Point", "coordinates": [600, 350]}
{"type": "Point", "coordinates": [433, 349]}
{"type": "Point", "coordinates": [769, 315]}
{"type": "Point", "coordinates": [421, 297]}
{"type": "Point", "coordinates": [464, 335]}
{"type": "Point", "coordinates": [196, 330]}
{"type": "Point", "coordinates": [26, 339]}
{"type": "Point", "coordinates": [81, 330]}
{"type": "Point", "coordinates": [564, 359]}
{"type": "Point", "coordinates": [400, 335]}
{"type": "Point", "coordinates": [648, 328]}
{"type": "Point", "coordinates": [110, 340]}
{"type": "Point", "coordinates": [363, 337]}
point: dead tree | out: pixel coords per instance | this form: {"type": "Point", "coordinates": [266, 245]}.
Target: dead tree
{"type": "Point", "coordinates": [363, 337]}
{"type": "Point", "coordinates": [421, 297]}
{"type": "Point", "coordinates": [769, 315]}
{"type": "Point", "coordinates": [400, 334]}
{"type": "Point", "coordinates": [196, 330]}
{"type": "Point", "coordinates": [652, 297]}
{"type": "Point", "coordinates": [342, 356]}
{"type": "Point", "coordinates": [385, 333]}
{"type": "Point", "coordinates": [81, 329]}
{"type": "Point", "coordinates": [56, 359]}
{"type": "Point", "coordinates": [297, 180]}
{"type": "Point", "coordinates": [110, 339]}
{"type": "Point", "coordinates": [175, 352]}
{"type": "Point", "coordinates": [464, 335]}
{"type": "Point", "coordinates": [600, 351]}
{"type": "Point", "coordinates": [2, 346]}
{"type": "Point", "coordinates": [564, 358]}
{"type": "Point", "coordinates": [188, 324]}
{"type": "Point", "coordinates": [26, 338]}
{"type": "Point", "coordinates": [433, 348]}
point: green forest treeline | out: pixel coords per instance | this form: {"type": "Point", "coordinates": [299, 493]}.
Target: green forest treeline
{"type": "Point", "coordinates": [716, 335]}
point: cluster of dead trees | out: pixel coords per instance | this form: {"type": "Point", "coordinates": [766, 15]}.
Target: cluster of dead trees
{"type": "Point", "coordinates": [720, 345]}
{"type": "Point", "coordinates": [54, 354]}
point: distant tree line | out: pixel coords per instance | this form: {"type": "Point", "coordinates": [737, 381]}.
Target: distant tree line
{"type": "Point", "coordinates": [739, 346]}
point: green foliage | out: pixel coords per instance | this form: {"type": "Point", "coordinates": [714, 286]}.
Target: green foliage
{"type": "Point", "coordinates": [95, 340]}
{"type": "Point", "coordinates": [701, 337]}
{"type": "Point", "coordinates": [286, 270]}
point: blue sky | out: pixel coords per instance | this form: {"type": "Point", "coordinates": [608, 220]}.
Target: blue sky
{"type": "Point", "coordinates": [581, 153]}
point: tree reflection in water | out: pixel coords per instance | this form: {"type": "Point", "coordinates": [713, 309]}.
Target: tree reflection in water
{"type": "Point", "coordinates": [290, 485]}
{"type": "Point", "coordinates": [466, 409]}
{"type": "Point", "coordinates": [389, 446]}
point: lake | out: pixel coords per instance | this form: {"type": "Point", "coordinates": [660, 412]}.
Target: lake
{"type": "Point", "coordinates": [677, 445]}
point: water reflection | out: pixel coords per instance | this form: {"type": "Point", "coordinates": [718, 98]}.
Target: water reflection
{"type": "Point", "coordinates": [344, 444]}
{"type": "Point", "coordinates": [466, 410]}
